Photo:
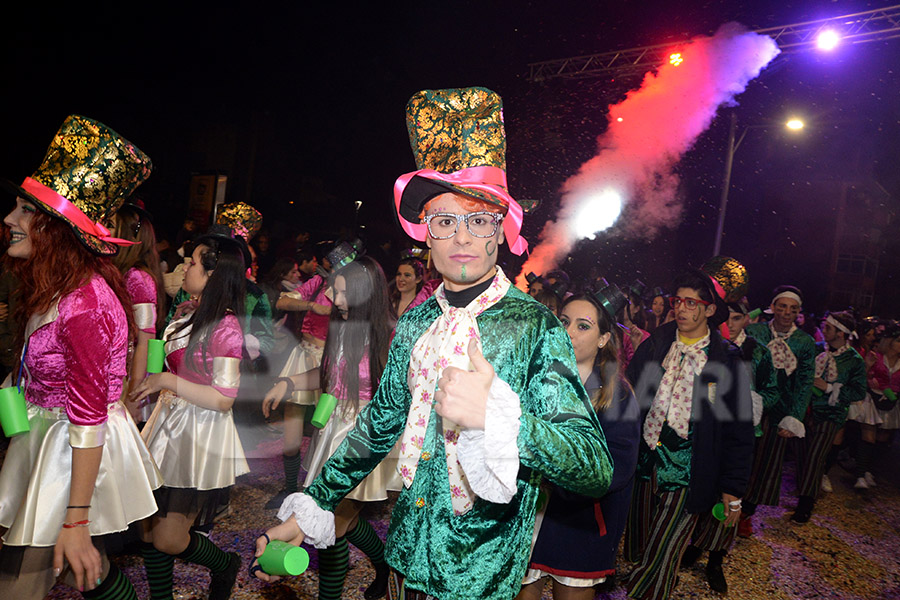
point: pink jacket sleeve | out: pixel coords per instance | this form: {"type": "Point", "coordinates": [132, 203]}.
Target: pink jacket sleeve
{"type": "Point", "coordinates": [142, 289]}
{"type": "Point", "coordinates": [87, 337]}
{"type": "Point", "coordinates": [225, 348]}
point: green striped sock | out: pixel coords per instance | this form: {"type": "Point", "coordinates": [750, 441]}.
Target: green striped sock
{"type": "Point", "coordinates": [201, 551]}
{"type": "Point", "coordinates": [334, 562]}
{"type": "Point", "coordinates": [158, 566]}
{"type": "Point", "coordinates": [115, 587]}
{"type": "Point", "coordinates": [368, 542]}
{"type": "Point", "coordinates": [291, 471]}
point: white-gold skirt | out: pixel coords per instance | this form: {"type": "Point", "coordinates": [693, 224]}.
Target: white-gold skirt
{"type": "Point", "coordinates": [324, 443]}
{"type": "Point", "coordinates": [37, 474]}
{"type": "Point", "coordinates": [304, 357]}
{"type": "Point", "coordinates": [866, 412]}
{"type": "Point", "coordinates": [194, 447]}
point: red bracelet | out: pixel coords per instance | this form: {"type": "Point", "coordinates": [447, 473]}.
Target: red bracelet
{"type": "Point", "coordinates": [83, 523]}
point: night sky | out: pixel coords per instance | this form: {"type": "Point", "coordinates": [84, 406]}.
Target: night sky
{"type": "Point", "coordinates": [305, 103]}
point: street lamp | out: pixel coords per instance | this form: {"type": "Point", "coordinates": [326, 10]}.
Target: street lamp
{"type": "Point", "coordinates": [794, 124]}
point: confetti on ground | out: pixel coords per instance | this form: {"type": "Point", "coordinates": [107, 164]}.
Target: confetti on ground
{"type": "Point", "coordinates": [849, 550]}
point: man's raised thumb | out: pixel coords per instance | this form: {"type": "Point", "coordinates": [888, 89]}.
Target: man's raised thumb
{"type": "Point", "coordinates": [479, 362]}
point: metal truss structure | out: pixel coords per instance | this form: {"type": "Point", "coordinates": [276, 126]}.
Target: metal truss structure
{"type": "Point", "coordinates": [869, 26]}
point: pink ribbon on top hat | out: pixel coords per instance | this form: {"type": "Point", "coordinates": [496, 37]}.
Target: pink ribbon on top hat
{"type": "Point", "coordinates": [491, 180]}
{"type": "Point", "coordinates": [63, 206]}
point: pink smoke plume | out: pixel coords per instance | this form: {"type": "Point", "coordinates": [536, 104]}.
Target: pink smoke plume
{"type": "Point", "coordinates": [649, 131]}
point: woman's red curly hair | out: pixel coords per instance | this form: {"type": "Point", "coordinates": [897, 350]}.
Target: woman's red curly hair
{"type": "Point", "coordinates": [59, 264]}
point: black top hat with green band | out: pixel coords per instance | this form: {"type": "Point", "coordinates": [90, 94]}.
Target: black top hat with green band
{"type": "Point", "coordinates": [611, 299]}
{"type": "Point", "coordinates": [344, 253]}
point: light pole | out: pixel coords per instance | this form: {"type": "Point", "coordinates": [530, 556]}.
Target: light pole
{"type": "Point", "coordinates": [733, 144]}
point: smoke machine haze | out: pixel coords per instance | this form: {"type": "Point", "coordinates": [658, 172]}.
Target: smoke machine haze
{"type": "Point", "coordinates": [630, 182]}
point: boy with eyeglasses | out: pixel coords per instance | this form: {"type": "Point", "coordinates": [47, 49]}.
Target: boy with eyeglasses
{"type": "Point", "coordinates": [697, 434]}
{"type": "Point", "coordinates": [480, 387]}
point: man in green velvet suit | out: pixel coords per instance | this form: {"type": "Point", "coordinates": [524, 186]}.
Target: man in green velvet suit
{"type": "Point", "coordinates": [480, 387]}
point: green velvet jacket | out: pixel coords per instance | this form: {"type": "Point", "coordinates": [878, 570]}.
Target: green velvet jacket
{"type": "Point", "coordinates": [484, 552]}
{"type": "Point", "coordinates": [763, 375]}
{"type": "Point", "coordinates": [851, 370]}
{"type": "Point", "coordinates": [793, 392]}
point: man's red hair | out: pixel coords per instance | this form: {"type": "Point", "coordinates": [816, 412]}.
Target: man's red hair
{"type": "Point", "coordinates": [469, 203]}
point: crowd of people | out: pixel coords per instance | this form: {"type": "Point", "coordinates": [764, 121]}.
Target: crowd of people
{"type": "Point", "coordinates": [515, 424]}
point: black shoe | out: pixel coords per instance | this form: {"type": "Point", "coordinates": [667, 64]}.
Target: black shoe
{"type": "Point", "coordinates": [608, 586]}
{"type": "Point", "coordinates": [690, 556]}
{"type": "Point", "coordinates": [804, 510]}
{"type": "Point", "coordinates": [378, 587]}
{"type": "Point", "coordinates": [277, 500]}
{"type": "Point", "coordinates": [716, 578]}
{"type": "Point", "coordinates": [221, 583]}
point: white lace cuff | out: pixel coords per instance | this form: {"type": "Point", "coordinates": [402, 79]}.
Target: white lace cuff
{"type": "Point", "coordinates": [490, 457]}
{"type": "Point", "coordinates": [757, 407]}
{"type": "Point", "coordinates": [794, 426]}
{"type": "Point", "coordinates": [316, 524]}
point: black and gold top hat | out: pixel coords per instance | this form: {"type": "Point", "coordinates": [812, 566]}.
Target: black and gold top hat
{"type": "Point", "coordinates": [244, 220]}
{"type": "Point", "coordinates": [87, 173]}
{"type": "Point", "coordinates": [730, 274]}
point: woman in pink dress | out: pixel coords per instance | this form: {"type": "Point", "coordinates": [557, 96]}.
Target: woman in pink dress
{"type": "Point", "coordinates": [355, 355]}
{"type": "Point", "coordinates": [82, 471]}
{"type": "Point", "coordinates": [143, 279]}
{"type": "Point", "coordinates": [191, 433]}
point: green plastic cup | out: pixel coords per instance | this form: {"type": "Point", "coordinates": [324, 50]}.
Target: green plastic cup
{"type": "Point", "coordinates": [13, 413]}
{"type": "Point", "coordinates": [324, 408]}
{"type": "Point", "coordinates": [718, 511]}
{"type": "Point", "coordinates": [156, 356]}
{"type": "Point", "coordinates": [890, 395]}
{"type": "Point", "coordinates": [281, 558]}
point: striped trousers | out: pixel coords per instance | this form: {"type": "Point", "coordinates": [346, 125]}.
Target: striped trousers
{"type": "Point", "coordinates": [813, 452]}
{"type": "Point", "coordinates": [658, 531]}
{"type": "Point", "coordinates": [768, 461]}
{"type": "Point", "coordinates": [710, 534]}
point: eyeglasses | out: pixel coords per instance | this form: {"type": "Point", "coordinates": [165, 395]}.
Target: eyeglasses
{"type": "Point", "coordinates": [442, 226]}
{"type": "Point", "coordinates": [689, 303]}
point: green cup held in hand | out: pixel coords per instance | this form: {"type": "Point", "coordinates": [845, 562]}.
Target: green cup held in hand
{"type": "Point", "coordinates": [281, 558]}
{"type": "Point", "coordinates": [324, 408]}
{"type": "Point", "coordinates": [156, 356]}
{"type": "Point", "coordinates": [718, 511]}
{"type": "Point", "coordinates": [13, 412]}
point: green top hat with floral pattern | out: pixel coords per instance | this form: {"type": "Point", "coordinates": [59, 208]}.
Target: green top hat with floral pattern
{"type": "Point", "coordinates": [87, 173]}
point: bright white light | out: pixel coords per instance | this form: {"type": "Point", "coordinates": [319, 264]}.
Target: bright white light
{"type": "Point", "coordinates": [794, 124]}
{"type": "Point", "coordinates": [619, 119]}
{"type": "Point", "coordinates": [828, 40]}
{"type": "Point", "coordinates": [598, 213]}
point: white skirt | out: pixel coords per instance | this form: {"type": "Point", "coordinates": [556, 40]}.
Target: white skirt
{"type": "Point", "coordinates": [304, 357]}
{"type": "Point", "coordinates": [37, 474]}
{"type": "Point", "coordinates": [864, 412]}
{"type": "Point", "coordinates": [325, 442]}
{"type": "Point", "coordinates": [194, 447]}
